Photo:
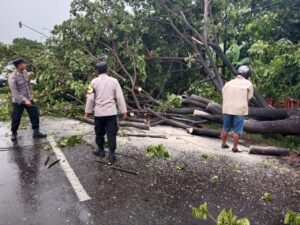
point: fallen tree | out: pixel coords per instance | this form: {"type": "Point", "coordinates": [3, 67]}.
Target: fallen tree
{"type": "Point", "coordinates": [275, 151]}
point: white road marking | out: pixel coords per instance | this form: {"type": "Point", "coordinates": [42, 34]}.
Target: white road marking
{"type": "Point", "coordinates": [75, 183]}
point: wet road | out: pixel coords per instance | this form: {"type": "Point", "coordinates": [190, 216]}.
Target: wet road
{"type": "Point", "coordinates": [32, 194]}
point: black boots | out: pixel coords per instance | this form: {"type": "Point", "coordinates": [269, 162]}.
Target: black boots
{"type": "Point", "coordinates": [14, 136]}
{"type": "Point", "coordinates": [100, 152]}
{"type": "Point", "coordinates": [111, 156]}
{"type": "Point", "coordinates": [38, 134]}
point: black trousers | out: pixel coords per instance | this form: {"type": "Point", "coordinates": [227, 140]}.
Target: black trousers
{"type": "Point", "coordinates": [16, 116]}
{"type": "Point", "coordinates": [106, 125]}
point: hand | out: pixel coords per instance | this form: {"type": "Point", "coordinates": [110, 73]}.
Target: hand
{"type": "Point", "coordinates": [86, 116]}
{"type": "Point", "coordinates": [123, 116]}
{"type": "Point", "coordinates": [27, 102]}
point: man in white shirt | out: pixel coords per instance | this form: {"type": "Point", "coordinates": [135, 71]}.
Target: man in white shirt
{"type": "Point", "coordinates": [103, 93]}
{"type": "Point", "coordinates": [236, 95]}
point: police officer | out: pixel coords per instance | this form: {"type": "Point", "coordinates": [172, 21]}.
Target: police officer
{"type": "Point", "coordinates": [19, 84]}
{"type": "Point", "coordinates": [236, 94]}
{"type": "Point", "coordinates": [103, 93]}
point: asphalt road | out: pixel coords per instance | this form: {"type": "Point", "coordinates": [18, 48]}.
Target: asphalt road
{"type": "Point", "coordinates": [30, 193]}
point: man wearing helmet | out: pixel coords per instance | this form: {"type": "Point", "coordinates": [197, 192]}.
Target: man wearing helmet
{"type": "Point", "coordinates": [236, 95]}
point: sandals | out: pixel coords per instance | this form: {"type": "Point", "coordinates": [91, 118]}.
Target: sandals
{"type": "Point", "coordinates": [225, 146]}
{"type": "Point", "coordinates": [235, 150]}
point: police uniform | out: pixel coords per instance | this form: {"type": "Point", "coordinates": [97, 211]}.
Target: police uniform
{"type": "Point", "coordinates": [19, 84]}
{"type": "Point", "coordinates": [103, 94]}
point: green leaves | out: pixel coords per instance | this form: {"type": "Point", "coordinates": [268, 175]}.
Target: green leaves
{"type": "Point", "coordinates": [226, 217]}
{"type": "Point", "coordinates": [201, 212]}
{"type": "Point", "coordinates": [70, 141]}
{"type": "Point", "coordinates": [268, 197]}
{"type": "Point", "coordinates": [170, 101]}
{"type": "Point", "coordinates": [158, 151]}
{"type": "Point", "coordinates": [292, 218]}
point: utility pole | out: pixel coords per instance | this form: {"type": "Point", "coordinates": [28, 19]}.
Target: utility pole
{"type": "Point", "coordinates": [22, 24]}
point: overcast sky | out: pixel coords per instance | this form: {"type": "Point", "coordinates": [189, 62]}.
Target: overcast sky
{"type": "Point", "coordinates": [39, 14]}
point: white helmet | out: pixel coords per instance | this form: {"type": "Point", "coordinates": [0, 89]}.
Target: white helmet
{"type": "Point", "coordinates": [244, 71]}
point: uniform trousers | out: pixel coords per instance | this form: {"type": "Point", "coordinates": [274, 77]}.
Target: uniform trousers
{"type": "Point", "coordinates": [106, 125]}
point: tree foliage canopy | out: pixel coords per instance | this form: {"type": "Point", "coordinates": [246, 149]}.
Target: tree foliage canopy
{"type": "Point", "coordinates": [164, 47]}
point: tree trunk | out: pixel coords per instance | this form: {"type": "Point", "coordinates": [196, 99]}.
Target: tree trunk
{"type": "Point", "coordinates": [204, 132]}
{"type": "Point", "coordinates": [207, 116]}
{"type": "Point", "coordinates": [121, 123]}
{"type": "Point", "coordinates": [182, 110]}
{"type": "Point", "coordinates": [169, 121]}
{"type": "Point", "coordinates": [269, 151]}
{"type": "Point", "coordinates": [189, 101]}
{"type": "Point", "coordinates": [200, 99]}
{"type": "Point", "coordinates": [286, 127]}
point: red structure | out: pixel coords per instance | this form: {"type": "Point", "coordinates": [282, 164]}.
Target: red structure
{"type": "Point", "coordinates": [287, 103]}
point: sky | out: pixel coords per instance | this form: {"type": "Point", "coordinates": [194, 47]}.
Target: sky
{"type": "Point", "coordinates": [41, 15]}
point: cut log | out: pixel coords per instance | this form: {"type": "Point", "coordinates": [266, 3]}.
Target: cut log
{"type": "Point", "coordinates": [134, 124]}
{"type": "Point", "coordinates": [168, 121]}
{"type": "Point", "coordinates": [182, 110]}
{"type": "Point", "coordinates": [189, 101]}
{"type": "Point", "coordinates": [137, 120]}
{"type": "Point", "coordinates": [285, 127]}
{"type": "Point", "coordinates": [145, 135]}
{"type": "Point", "coordinates": [156, 123]}
{"type": "Point", "coordinates": [121, 123]}
{"type": "Point", "coordinates": [207, 116]}
{"type": "Point", "coordinates": [275, 151]}
{"type": "Point", "coordinates": [201, 99]}
{"type": "Point", "coordinates": [188, 121]}
{"type": "Point", "coordinates": [204, 132]}
{"type": "Point", "coordinates": [258, 113]}
{"type": "Point", "coordinates": [214, 108]}
{"type": "Point", "coordinates": [268, 113]}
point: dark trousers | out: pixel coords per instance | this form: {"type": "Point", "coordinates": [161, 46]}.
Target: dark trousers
{"type": "Point", "coordinates": [106, 125]}
{"type": "Point", "coordinates": [16, 116]}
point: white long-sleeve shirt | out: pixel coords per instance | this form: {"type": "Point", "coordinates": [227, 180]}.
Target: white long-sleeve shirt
{"type": "Point", "coordinates": [236, 95]}
{"type": "Point", "coordinates": [105, 92]}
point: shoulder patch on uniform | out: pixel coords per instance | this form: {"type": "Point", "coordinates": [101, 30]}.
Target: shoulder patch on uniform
{"type": "Point", "coordinates": [90, 89]}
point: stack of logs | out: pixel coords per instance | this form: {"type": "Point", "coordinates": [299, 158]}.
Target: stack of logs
{"type": "Point", "coordinates": [197, 111]}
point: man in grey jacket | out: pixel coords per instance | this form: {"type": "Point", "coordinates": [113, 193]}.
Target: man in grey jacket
{"type": "Point", "coordinates": [103, 93]}
{"type": "Point", "coordinates": [19, 84]}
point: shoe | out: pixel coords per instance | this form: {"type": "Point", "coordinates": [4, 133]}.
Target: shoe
{"type": "Point", "coordinates": [14, 137]}
{"type": "Point", "coordinates": [38, 134]}
{"type": "Point", "coordinates": [235, 150]}
{"type": "Point", "coordinates": [225, 146]}
{"type": "Point", "coordinates": [112, 157]}
{"type": "Point", "coordinates": [100, 152]}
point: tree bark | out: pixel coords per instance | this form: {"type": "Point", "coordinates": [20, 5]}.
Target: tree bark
{"type": "Point", "coordinates": [121, 123]}
{"type": "Point", "coordinates": [169, 121]}
{"type": "Point", "coordinates": [200, 99]}
{"type": "Point", "coordinates": [204, 132]}
{"type": "Point", "coordinates": [275, 151]}
{"type": "Point", "coordinates": [182, 110]}
{"type": "Point", "coordinates": [285, 127]}
{"type": "Point", "coordinates": [207, 116]}
{"type": "Point", "coordinates": [189, 101]}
